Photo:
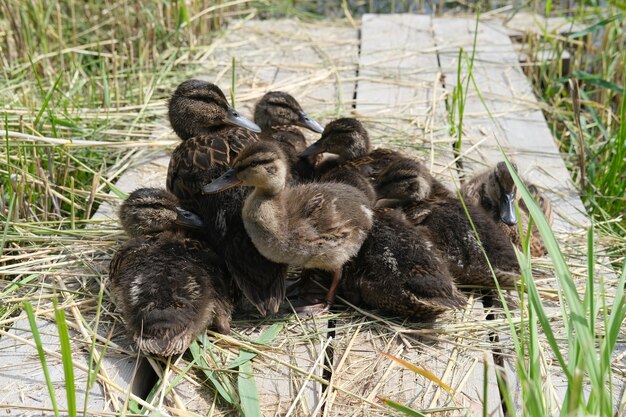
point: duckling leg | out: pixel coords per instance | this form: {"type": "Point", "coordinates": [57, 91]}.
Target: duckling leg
{"type": "Point", "coordinates": [330, 298]}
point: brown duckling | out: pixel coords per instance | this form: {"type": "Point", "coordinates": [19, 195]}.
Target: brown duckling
{"type": "Point", "coordinates": [313, 225]}
{"type": "Point", "coordinates": [399, 268]}
{"type": "Point", "coordinates": [169, 285]}
{"type": "Point", "coordinates": [200, 114]}
{"type": "Point", "coordinates": [426, 202]}
{"type": "Point", "coordinates": [279, 115]}
{"type": "Point", "coordinates": [496, 192]}
{"type": "Point", "coordinates": [349, 140]}
{"type": "Point", "coordinates": [213, 135]}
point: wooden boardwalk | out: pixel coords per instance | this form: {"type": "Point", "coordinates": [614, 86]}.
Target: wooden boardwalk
{"type": "Point", "coordinates": [395, 73]}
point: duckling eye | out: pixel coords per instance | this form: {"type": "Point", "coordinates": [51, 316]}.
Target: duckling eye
{"type": "Point", "coordinates": [186, 214]}
{"type": "Point", "coordinates": [259, 162]}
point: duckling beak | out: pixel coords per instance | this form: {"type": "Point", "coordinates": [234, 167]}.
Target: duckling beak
{"type": "Point", "coordinates": [387, 203]}
{"type": "Point", "coordinates": [507, 209]}
{"type": "Point", "coordinates": [314, 149]}
{"type": "Point", "coordinates": [233, 117]}
{"type": "Point", "coordinates": [188, 219]}
{"type": "Point", "coordinates": [306, 121]}
{"type": "Point", "coordinates": [227, 180]}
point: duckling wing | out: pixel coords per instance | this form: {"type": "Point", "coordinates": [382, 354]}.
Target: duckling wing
{"type": "Point", "coordinates": [199, 160]}
{"type": "Point", "coordinates": [329, 211]}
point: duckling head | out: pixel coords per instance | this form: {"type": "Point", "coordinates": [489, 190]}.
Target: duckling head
{"type": "Point", "coordinates": [278, 108]}
{"type": "Point", "coordinates": [345, 137]}
{"type": "Point", "coordinates": [403, 181]}
{"type": "Point", "coordinates": [501, 190]}
{"type": "Point", "coordinates": [153, 210]}
{"type": "Point", "coordinates": [199, 107]}
{"type": "Point", "coordinates": [261, 165]}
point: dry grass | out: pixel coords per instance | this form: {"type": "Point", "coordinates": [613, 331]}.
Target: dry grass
{"type": "Point", "coordinates": [106, 128]}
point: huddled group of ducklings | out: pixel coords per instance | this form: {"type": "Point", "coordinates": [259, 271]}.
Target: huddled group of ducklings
{"type": "Point", "coordinates": [245, 201]}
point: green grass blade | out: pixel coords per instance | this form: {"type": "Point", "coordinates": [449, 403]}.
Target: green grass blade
{"type": "Point", "coordinates": [66, 355]}
{"type": "Point", "coordinates": [598, 81]}
{"type": "Point", "coordinates": [42, 355]}
{"type": "Point", "coordinates": [402, 408]}
{"type": "Point", "coordinates": [592, 28]}
{"type": "Point", "coordinates": [198, 357]}
{"type": "Point", "coordinates": [266, 337]}
{"type": "Point", "coordinates": [248, 394]}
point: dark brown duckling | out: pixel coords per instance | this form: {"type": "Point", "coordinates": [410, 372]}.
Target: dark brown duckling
{"type": "Point", "coordinates": [200, 108]}
{"type": "Point", "coordinates": [425, 202]}
{"type": "Point", "coordinates": [399, 269]}
{"type": "Point", "coordinates": [313, 225]}
{"type": "Point", "coordinates": [279, 115]}
{"type": "Point", "coordinates": [349, 140]}
{"type": "Point", "coordinates": [169, 285]}
{"type": "Point", "coordinates": [213, 134]}
{"type": "Point", "coordinates": [496, 192]}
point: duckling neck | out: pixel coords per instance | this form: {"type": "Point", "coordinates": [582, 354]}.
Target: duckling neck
{"type": "Point", "coordinates": [264, 217]}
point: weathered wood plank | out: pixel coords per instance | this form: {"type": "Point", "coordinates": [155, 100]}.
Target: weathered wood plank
{"type": "Point", "coordinates": [516, 119]}
{"type": "Point", "coordinates": [517, 122]}
{"type": "Point", "coordinates": [400, 91]}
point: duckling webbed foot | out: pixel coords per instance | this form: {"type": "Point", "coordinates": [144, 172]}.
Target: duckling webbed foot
{"type": "Point", "coordinates": [322, 308]}
{"type": "Point", "coordinates": [313, 309]}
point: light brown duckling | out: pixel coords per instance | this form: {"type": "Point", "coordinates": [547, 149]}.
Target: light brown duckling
{"type": "Point", "coordinates": [200, 114]}
{"type": "Point", "coordinates": [169, 285]}
{"type": "Point", "coordinates": [426, 202]}
{"type": "Point", "coordinates": [399, 269]}
{"type": "Point", "coordinates": [348, 139]}
{"type": "Point", "coordinates": [496, 192]}
{"type": "Point", "coordinates": [314, 225]}
{"type": "Point", "coordinates": [279, 115]}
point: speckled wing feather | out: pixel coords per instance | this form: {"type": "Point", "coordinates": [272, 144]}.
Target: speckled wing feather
{"type": "Point", "coordinates": [199, 160]}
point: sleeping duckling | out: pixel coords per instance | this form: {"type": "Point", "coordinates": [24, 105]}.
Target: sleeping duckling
{"type": "Point", "coordinates": [496, 192]}
{"type": "Point", "coordinates": [200, 114]}
{"type": "Point", "coordinates": [426, 202]}
{"type": "Point", "coordinates": [399, 269]}
{"type": "Point", "coordinates": [278, 115]}
{"type": "Point", "coordinates": [314, 225]}
{"type": "Point", "coordinates": [349, 140]}
{"type": "Point", "coordinates": [169, 285]}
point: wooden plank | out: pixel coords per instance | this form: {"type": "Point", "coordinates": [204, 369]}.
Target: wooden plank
{"type": "Point", "coordinates": [517, 122]}
{"type": "Point", "coordinates": [524, 23]}
{"type": "Point", "coordinates": [399, 75]}
{"type": "Point", "coordinates": [22, 379]}
{"type": "Point", "coordinates": [400, 96]}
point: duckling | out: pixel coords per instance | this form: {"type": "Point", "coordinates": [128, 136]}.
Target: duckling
{"type": "Point", "coordinates": [201, 116]}
{"type": "Point", "coordinates": [399, 268]}
{"type": "Point", "coordinates": [278, 114]}
{"type": "Point", "coordinates": [213, 133]}
{"type": "Point", "coordinates": [495, 191]}
{"type": "Point", "coordinates": [426, 202]}
{"type": "Point", "coordinates": [312, 225]}
{"type": "Point", "coordinates": [349, 140]}
{"type": "Point", "coordinates": [169, 285]}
